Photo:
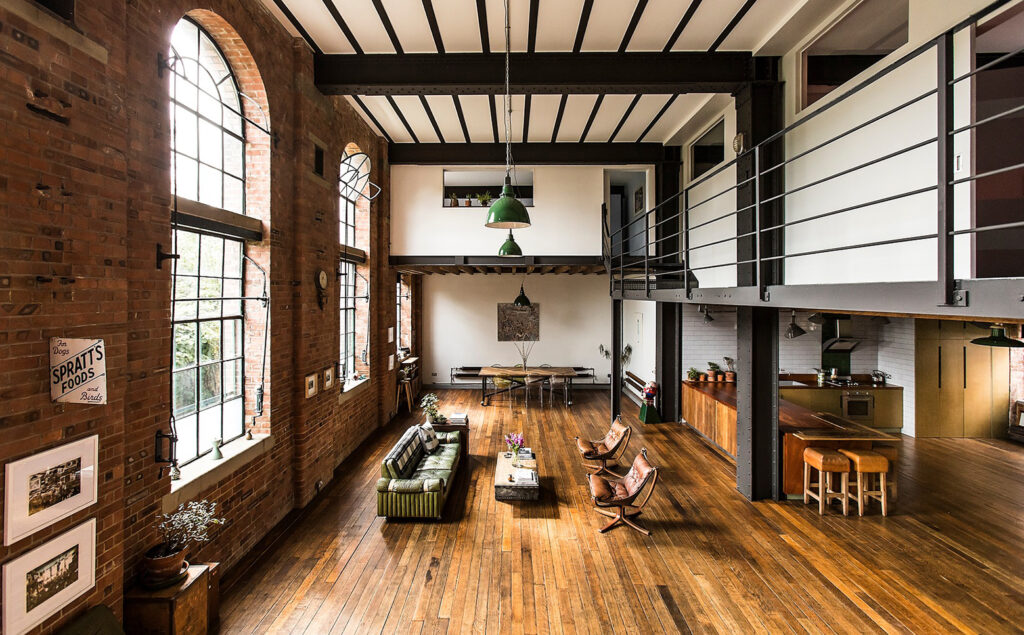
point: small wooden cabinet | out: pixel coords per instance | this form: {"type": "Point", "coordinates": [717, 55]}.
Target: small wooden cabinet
{"type": "Point", "coordinates": [181, 609]}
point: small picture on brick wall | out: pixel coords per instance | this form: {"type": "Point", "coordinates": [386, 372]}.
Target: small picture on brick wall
{"type": "Point", "coordinates": [43, 488]}
{"type": "Point", "coordinates": [328, 377]}
{"type": "Point", "coordinates": [48, 578]}
{"type": "Point", "coordinates": [310, 385]}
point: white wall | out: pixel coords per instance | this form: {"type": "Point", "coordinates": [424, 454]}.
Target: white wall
{"type": "Point", "coordinates": [460, 322]}
{"type": "Point", "coordinates": [896, 356]}
{"type": "Point", "coordinates": [566, 216]}
{"type": "Point", "coordinates": [703, 343]}
{"type": "Point", "coordinates": [639, 330]}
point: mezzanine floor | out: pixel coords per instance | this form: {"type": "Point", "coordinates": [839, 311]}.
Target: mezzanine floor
{"type": "Point", "coordinates": [948, 558]}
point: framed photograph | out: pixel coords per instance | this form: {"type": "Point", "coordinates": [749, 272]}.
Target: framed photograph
{"type": "Point", "coordinates": [48, 578]}
{"type": "Point", "coordinates": [311, 385]}
{"type": "Point", "coordinates": [46, 487]}
{"type": "Point", "coordinates": [328, 377]}
{"type": "Point", "coordinates": [638, 201]}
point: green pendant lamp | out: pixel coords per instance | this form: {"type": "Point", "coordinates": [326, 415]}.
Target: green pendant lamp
{"type": "Point", "coordinates": [510, 248]}
{"type": "Point", "coordinates": [997, 337]}
{"type": "Point", "coordinates": [521, 299]}
{"type": "Point", "coordinates": [508, 212]}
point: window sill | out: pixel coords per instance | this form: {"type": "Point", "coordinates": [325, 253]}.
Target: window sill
{"type": "Point", "coordinates": [351, 388]}
{"type": "Point", "coordinates": [205, 472]}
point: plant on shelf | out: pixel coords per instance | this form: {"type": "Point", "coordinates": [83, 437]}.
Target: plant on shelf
{"type": "Point", "coordinates": [189, 525]}
{"type": "Point", "coordinates": [429, 405]}
{"type": "Point", "coordinates": [484, 198]}
{"type": "Point", "coordinates": [514, 441]}
{"type": "Point", "coordinates": [624, 357]}
{"type": "Point", "coordinates": [713, 371]}
{"type": "Point", "coordinates": [730, 373]}
{"type": "Point", "coordinates": [453, 200]}
{"type": "Point", "coordinates": [693, 374]}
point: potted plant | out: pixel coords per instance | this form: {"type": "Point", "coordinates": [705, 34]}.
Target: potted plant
{"type": "Point", "coordinates": [453, 200]}
{"type": "Point", "coordinates": [703, 377]}
{"type": "Point", "coordinates": [693, 374]}
{"type": "Point", "coordinates": [713, 371]}
{"type": "Point", "coordinates": [484, 198]}
{"type": "Point", "coordinates": [429, 405]}
{"type": "Point", "coordinates": [178, 531]}
{"type": "Point", "coordinates": [730, 374]}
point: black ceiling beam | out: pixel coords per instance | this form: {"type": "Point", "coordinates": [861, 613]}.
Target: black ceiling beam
{"type": "Point", "coordinates": [593, 115]}
{"type": "Point", "coordinates": [682, 25]}
{"type": "Point", "coordinates": [428, 8]}
{"type": "Point", "coordinates": [481, 18]}
{"type": "Point", "coordinates": [625, 116]}
{"type": "Point", "coordinates": [638, 12]}
{"type": "Point", "coordinates": [581, 28]}
{"type": "Point", "coordinates": [462, 117]}
{"type": "Point", "coordinates": [558, 118]}
{"type": "Point", "coordinates": [298, 26]}
{"type": "Point", "coordinates": [366, 111]}
{"type": "Point", "coordinates": [343, 26]}
{"type": "Point", "coordinates": [732, 25]}
{"type": "Point", "coordinates": [526, 153]}
{"type": "Point", "coordinates": [430, 116]}
{"type": "Point", "coordinates": [531, 39]}
{"type": "Point", "coordinates": [533, 73]}
{"type": "Point", "coordinates": [386, 22]}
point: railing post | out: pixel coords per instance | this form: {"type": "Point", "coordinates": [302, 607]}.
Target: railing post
{"type": "Point", "coordinates": [647, 250]}
{"type": "Point", "coordinates": [758, 279]}
{"type": "Point", "coordinates": [945, 154]}
{"type": "Point", "coordinates": [686, 242]}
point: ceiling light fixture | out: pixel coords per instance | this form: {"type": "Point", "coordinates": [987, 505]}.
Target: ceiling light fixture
{"type": "Point", "coordinates": [794, 329]}
{"type": "Point", "coordinates": [510, 248]}
{"type": "Point", "coordinates": [997, 337]}
{"type": "Point", "coordinates": [521, 299]}
{"type": "Point", "coordinates": [707, 316]}
{"type": "Point", "coordinates": [508, 212]}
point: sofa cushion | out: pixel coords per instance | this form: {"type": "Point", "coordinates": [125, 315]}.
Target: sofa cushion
{"type": "Point", "coordinates": [443, 459]}
{"type": "Point", "coordinates": [404, 456]}
{"type": "Point", "coordinates": [449, 437]}
{"type": "Point", "coordinates": [428, 437]}
{"type": "Point", "coordinates": [445, 476]}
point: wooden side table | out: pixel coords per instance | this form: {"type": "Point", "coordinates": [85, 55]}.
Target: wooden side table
{"type": "Point", "coordinates": [180, 609]}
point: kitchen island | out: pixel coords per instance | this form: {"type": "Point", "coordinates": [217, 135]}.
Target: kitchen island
{"type": "Point", "coordinates": [710, 409]}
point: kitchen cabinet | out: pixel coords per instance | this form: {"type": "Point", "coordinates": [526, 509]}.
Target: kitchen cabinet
{"type": "Point", "coordinates": [962, 389]}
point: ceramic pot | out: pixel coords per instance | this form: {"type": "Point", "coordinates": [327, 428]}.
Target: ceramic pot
{"type": "Point", "coordinates": [162, 567]}
{"type": "Point", "coordinates": [730, 376]}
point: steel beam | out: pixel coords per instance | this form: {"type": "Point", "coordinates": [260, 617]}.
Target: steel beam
{"type": "Point", "coordinates": [945, 152]}
{"type": "Point", "coordinates": [527, 153]}
{"type": "Point", "coordinates": [669, 362]}
{"type": "Point", "coordinates": [616, 379]}
{"type": "Point", "coordinates": [532, 73]}
{"type": "Point", "coordinates": [757, 402]}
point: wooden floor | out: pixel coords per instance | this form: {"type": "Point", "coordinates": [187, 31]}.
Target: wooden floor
{"type": "Point", "coordinates": [949, 558]}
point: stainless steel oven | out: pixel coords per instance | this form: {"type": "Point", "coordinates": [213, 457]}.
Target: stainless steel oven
{"type": "Point", "coordinates": [858, 406]}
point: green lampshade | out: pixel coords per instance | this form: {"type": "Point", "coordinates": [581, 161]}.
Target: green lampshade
{"type": "Point", "coordinates": [997, 337]}
{"type": "Point", "coordinates": [521, 299]}
{"type": "Point", "coordinates": [507, 212]}
{"type": "Point", "coordinates": [510, 248]}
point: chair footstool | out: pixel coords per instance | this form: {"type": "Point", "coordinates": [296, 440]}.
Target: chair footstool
{"type": "Point", "coordinates": [827, 463]}
{"type": "Point", "coordinates": [868, 464]}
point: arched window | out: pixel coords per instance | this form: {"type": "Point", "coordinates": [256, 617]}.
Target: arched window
{"type": "Point", "coordinates": [353, 272]}
{"type": "Point", "coordinates": [208, 313]}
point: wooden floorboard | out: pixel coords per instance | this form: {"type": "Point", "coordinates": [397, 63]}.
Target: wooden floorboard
{"type": "Point", "coordinates": [947, 559]}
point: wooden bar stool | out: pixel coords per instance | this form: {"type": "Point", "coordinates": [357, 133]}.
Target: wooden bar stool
{"type": "Point", "coordinates": [892, 454]}
{"type": "Point", "coordinates": [827, 462]}
{"type": "Point", "coordinates": [867, 463]}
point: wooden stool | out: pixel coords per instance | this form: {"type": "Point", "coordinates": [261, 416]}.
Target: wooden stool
{"type": "Point", "coordinates": [866, 463]}
{"type": "Point", "coordinates": [405, 384]}
{"type": "Point", "coordinates": [827, 462]}
{"type": "Point", "coordinates": [892, 454]}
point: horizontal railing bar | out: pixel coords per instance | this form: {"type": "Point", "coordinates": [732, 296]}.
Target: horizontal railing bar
{"type": "Point", "coordinates": [722, 240]}
{"type": "Point", "coordinates": [723, 216]}
{"type": "Point", "coordinates": [986, 120]}
{"type": "Point", "coordinates": [986, 228]}
{"type": "Point", "coordinates": [724, 264]}
{"type": "Point", "coordinates": [880, 243]}
{"type": "Point", "coordinates": [861, 166]}
{"type": "Point", "coordinates": [851, 208]}
{"type": "Point", "coordinates": [986, 66]}
{"type": "Point", "coordinates": [975, 177]}
{"type": "Point", "coordinates": [736, 186]}
{"type": "Point", "coordinates": [851, 131]}
{"type": "Point", "coordinates": [712, 174]}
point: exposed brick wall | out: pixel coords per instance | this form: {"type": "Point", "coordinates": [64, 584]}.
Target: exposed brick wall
{"type": "Point", "coordinates": [113, 157]}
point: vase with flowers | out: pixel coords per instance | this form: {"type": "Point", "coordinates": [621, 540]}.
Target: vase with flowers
{"type": "Point", "coordinates": [514, 441]}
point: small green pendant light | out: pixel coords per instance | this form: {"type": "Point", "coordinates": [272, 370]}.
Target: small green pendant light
{"type": "Point", "coordinates": [507, 212]}
{"type": "Point", "coordinates": [510, 248]}
{"type": "Point", "coordinates": [997, 337]}
{"type": "Point", "coordinates": [521, 299]}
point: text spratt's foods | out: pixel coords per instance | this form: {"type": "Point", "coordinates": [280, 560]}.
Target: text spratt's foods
{"type": "Point", "coordinates": [77, 370]}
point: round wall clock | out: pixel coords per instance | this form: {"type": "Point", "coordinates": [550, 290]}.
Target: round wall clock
{"type": "Point", "coordinates": [321, 287]}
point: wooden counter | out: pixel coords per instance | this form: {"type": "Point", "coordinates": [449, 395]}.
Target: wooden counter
{"type": "Point", "coordinates": [710, 409]}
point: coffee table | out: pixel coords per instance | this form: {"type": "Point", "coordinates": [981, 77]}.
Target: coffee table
{"type": "Point", "coordinates": [506, 491]}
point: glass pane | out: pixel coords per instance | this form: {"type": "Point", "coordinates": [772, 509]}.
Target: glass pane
{"type": "Point", "coordinates": [186, 429]}
{"type": "Point", "coordinates": [232, 289]}
{"type": "Point", "coordinates": [210, 139]}
{"type": "Point", "coordinates": [185, 310]}
{"type": "Point", "coordinates": [184, 91]}
{"type": "Point", "coordinates": [185, 132]}
{"type": "Point", "coordinates": [209, 341]}
{"type": "Point", "coordinates": [209, 104]}
{"type": "Point", "coordinates": [186, 177]}
{"type": "Point", "coordinates": [188, 248]}
{"type": "Point", "coordinates": [209, 427]}
{"type": "Point", "coordinates": [185, 287]}
{"type": "Point", "coordinates": [209, 385]}
{"type": "Point", "coordinates": [232, 259]}
{"type": "Point", "coordinates": [232, 338]}
{"type": "Point", "coordinates": [232, 378]}
{"type": "Point", "coordinates": [184, 392]}
{"type": "Point", "coordinates": [210, 288]}
{"type": "Point", "coordinates": [234, 155]}
{"type": "Point", "coordinates": [234, 419]}
{"type": "Point", "coordinates": [213, 256]}
{"type": "Point", "coordinates": [184, 38]}
{"type": "Point", "coordinates": [210, 186]}
{"type": "Point", "coordinates": [184, 345]}
{"type": "Point", "coordinates": [234, 195]}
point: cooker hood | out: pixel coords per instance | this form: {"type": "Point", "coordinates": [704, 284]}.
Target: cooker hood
{"type": "Point", "coordinates": [844, 342]}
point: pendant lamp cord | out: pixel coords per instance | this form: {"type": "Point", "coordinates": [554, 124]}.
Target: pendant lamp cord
{"type": "Point", "coordinates": [508, 96]}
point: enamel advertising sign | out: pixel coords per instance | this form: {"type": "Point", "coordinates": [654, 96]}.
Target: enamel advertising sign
{"type": "Point", "coordinates": [78, 371]}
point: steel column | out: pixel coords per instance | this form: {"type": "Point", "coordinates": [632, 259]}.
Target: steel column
{"type": "Point", "coordinates": [757, 402]}
{"type": "Point", "coordinates": [669, 360]}
{"type": "Point", "coordinates": [616, 379]}
{"type": "Point", "coordinates": [946, 159]}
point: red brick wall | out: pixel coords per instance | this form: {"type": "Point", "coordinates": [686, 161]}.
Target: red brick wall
{"type": "Point", "coordinates": [83, 265]}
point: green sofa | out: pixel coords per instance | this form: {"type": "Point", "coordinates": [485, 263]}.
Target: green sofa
{"type": "Point", "coordinates": [415, 484]}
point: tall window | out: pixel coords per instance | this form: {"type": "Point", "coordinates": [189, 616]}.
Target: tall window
{"type": "Point", "coordinates": [353, 284]}
{"type": "Point", "coordinates": [208, 166]}
{"type": "Point", "coordinates": [347, 288]}
{"type": "Point", "coordinates": [398, 313]}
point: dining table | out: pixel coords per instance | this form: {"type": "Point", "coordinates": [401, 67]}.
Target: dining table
{"type": "Point", "coordinates": [520, 377]}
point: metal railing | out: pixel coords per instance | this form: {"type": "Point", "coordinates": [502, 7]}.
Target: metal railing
{"type": "Point", "coordinates": [658, 249]}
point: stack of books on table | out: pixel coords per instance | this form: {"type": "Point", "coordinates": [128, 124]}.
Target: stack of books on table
{"type": "Point", "coordinates": [459, 418]}
{"type": "Point", "coordinates": [524, 477]}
